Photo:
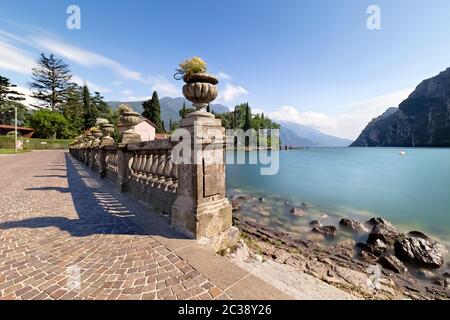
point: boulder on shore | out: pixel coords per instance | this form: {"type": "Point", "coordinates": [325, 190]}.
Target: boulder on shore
{"type": "Point", "coordinates": [383, 230]}
{"type": "Point", "coordinates": [377, 249]}
{"type": "Point", "coordinates": [420, 251]}
{"type": "Point", "coordinates": [391, 262]}
{"type": "Point", "coordinates": [353, 225]}
{"type": "Point", "coordinates": [328, 231]}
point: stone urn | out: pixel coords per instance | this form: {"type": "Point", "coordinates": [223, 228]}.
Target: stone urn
{"type": "Point", "coordinates": [90, 139]}
{"type": "Point", "coordinates": [200, 89]}
{"type": "Point", "coordinates": [128, 119]}
{"type": "Point", "coordinates": [97, 134]}
{"type": "Point", "coordinates": [107, 130]}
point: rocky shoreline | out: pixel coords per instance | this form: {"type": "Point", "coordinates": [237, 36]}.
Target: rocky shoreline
{"type": "Point", "coordinates": [388, 265]}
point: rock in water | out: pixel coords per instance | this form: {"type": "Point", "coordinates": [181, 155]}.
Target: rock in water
{"type": "Point", "coordinates": [425, 253]}
{"type": "Point", "coordinates": [298, 212]}
{"type": "Point", "coordinates": [328, 231]}
{"type": "Point", "coordinates": [353, 225]}
{"type": "Point", "coordinates": [392, 263]}
{"type": "Point", "coordinates": [383, 230]}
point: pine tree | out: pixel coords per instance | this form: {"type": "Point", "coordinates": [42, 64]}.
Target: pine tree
{"type": "Point", "coordinates": [7, 92]}
{"type": "Point", "coordinates": [152, 111]}
{"type": "Point", "coordinates": [9, 100]}
{"type": "Point", "coordinates": [263, 124]}
{"type": "Point", "coordinates": [50, 81]}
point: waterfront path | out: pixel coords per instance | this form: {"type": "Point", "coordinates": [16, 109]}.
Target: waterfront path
{"type": "Point", "coordinates": [66, 234]}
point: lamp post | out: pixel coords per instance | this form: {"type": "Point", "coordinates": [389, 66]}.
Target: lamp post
{"type": "Point", "coordinates": [15, 129]}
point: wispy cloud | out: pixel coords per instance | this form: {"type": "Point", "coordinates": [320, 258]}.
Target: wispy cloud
{"type": "Point", "coordinates": [164, 87]}
{"type": "Point", "coordinates": [92, 86]}
{"type": "Point", "coordinates": [15, 59]}
{"type": "Point", "coordinates": [316, 120]}
{"type": "Point", "coordinates": [223, 76]}
{"type": "Point", "coordinates": [85, 57]}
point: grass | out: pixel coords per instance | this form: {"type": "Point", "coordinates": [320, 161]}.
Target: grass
{"type": "Point", "coordinates": [12, 151]}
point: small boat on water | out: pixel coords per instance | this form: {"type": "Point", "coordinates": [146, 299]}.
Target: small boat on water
{"type": "Point", "coordinates": [402, 153]}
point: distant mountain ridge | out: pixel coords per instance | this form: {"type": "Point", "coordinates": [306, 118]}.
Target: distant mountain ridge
{"type": "Point", "coordinates": [422, 120]}
{"type": "Point", "coordinates": [169, 107]}
{"type": "Point", "coordinates": [305, 136]}
{"type": "Point", "coordinates": [291, 133]}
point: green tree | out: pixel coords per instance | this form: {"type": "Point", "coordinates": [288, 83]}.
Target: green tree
{"type": "Point", "coordinates": [73, 109]}
{"type": "Point", "coordinates": [50, 81]}
{"type": "Point", "coordinates": [9, 100]}
{"type": "Point", "coordinates": [90, 110]}
{"type": "Point", "coordinates": [152, 111]}
{"type": "Point", "coordinates": [208, 108]}
{"type": "Point", "coordinates": [248, 118]}
{"type": "Point", "coordinates": [48, 124]}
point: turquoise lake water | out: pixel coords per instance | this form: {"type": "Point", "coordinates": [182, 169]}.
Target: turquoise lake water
{"type": "Point", "coordinates": [413, 191]}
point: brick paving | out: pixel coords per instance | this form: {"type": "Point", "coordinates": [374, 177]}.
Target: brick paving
{"type": "Point", "coordinates": [59, 225]}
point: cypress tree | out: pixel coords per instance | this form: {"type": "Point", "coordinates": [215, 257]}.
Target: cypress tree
{"type": "Point", "coordinates": [248, 118]}
{"type": "Point", "coordinates": [90, 112]}
{"type": "Point", "coordinates": [208, 108]}
{"type": "Point", "coordinates": [152, 111]}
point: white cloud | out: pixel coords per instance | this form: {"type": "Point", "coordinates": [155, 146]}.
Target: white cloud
{"type": "Point", "coordinates": [223, 76]}
{"type": "Point", "coordinates": [117, 83]}
{"type": "Point", "coordinates": [350, 120]}
{"type": "Point", "coordinates": [92, 86]}
{"type": "Point", "coordinates": [127, 92]}
{"type": "Point", "coordinates": [316, 120]}
{"type": "Point", "coordinates": [135, 98]}
{"type": "Point", "coordinates": [15, 59]}
{"type": "Point", "coordinates": [231, 93]}
{"type": "Point", "coordinates": [164, 87]}
{"type": "Point", "coordinates": [29, 101]}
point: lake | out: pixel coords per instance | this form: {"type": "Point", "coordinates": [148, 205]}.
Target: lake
{"type": "Point", "coordinates": [411, 190]}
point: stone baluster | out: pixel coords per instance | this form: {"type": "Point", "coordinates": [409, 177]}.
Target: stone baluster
{"type": "Point", "coordinates": [160, 170]}
{"type": "Point", "coordinates": [148, 165]}
{"type": "Point", "coordinates": [141, 169]}
{"type": "Point", "coordinates": [154, 168]}
{"type": "Point", "coordinates": [174, 176]}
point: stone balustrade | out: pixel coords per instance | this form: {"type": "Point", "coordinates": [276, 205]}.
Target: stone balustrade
{"type": "Point", "coordinates": [191, 196]}
{"type": "Point", "coordinates": [190, 193]}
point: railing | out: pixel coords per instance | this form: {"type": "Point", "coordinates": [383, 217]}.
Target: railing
{"type": "Point", "coordinates": [148, 173]}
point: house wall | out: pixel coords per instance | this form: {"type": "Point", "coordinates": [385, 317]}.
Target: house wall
{"type": "Point", "coordinates": [145, 130]}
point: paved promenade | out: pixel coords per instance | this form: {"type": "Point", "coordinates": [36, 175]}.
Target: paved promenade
{"type": "Point", "coordinates": [65, 234]}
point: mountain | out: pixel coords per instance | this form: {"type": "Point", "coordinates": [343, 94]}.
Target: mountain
{"type": "Point", "coordinates": [422, 120]}
{"type": "Point", "coordinates": [301, 135]}
{"type": "Point", "coordinates": [169, 107]}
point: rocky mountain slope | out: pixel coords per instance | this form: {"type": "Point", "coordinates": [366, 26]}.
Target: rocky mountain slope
{"type": "Point", "coordinates": [422, 120]}
{"type": "Point", "coordinates": [305, 136]}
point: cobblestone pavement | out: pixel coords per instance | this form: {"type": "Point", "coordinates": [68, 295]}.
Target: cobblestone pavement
{"type": "Point", "coordinates": [63, 236]}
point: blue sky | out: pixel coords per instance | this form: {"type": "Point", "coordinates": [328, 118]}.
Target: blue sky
{"type": "Point", "coordinates": [311, 62]}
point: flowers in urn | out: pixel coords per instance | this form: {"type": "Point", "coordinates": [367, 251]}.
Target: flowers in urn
{"type": "Point", "coordinates": [200, 87]}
